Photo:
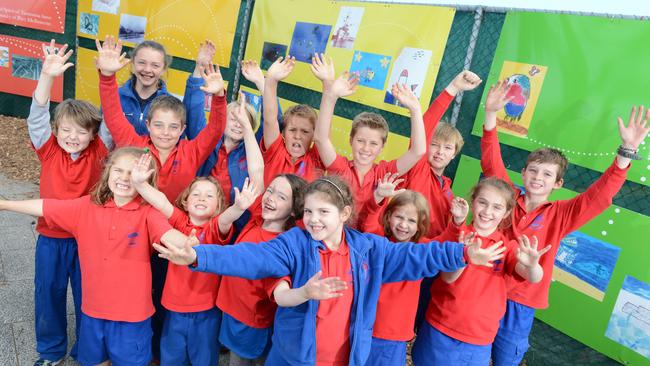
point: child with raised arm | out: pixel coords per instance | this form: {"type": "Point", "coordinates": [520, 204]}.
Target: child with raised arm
{"type": "Point", "coordinates": [338, 330]}
{"type": "Point", "coordinates": [289, 150]}
{"type": "Point", "coordinates": [71, 155]}
{"type": "Point", "coordinates": [533, 214]}
{"type": "Point", "coordinates": [114, 229]}
{"type": "Point", "coordinates": [466, 304]}
{"type": "Point", "coordinates": [190, 333]}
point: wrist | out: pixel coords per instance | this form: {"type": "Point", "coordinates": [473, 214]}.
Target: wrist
{"type": "Point", "coordinates": [628, 153]}
{"type": "Point", "coordinates": [452, 89]}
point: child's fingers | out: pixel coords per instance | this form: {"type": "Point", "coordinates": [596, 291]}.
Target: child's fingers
{"type": "Point", "coordinates": [545, 249]}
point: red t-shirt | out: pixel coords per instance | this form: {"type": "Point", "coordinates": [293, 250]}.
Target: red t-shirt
{"type": "Point", "coordinates": [470, 308]}
{"type": "Point", "coordinates": [333, 316]}
{"type": "Point", "coordinates": [183, 161]}
{"type": "Point", "coordinates": [361, 191]}
{"type": "Point", "coordinates": [64, 178]}
{"type": "Point", "coordinates": [551, 221]}
{"type": "Point", "coordinates": [221, 174]}
{"type": "Point", "coordinates": [248, 300]}
{"type": "Point", "coordinates": [114, 253]}
{"type": "Point", "coordinates": [277, 161]}
{"type": "Point", "coordinates": [185, 290]}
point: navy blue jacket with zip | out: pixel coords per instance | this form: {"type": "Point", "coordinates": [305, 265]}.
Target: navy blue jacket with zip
{"type": "Point", "coordinates": [294, 253]}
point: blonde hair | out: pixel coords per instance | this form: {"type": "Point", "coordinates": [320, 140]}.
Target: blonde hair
{"type": "Point", "coordinates": [82, 113]}
{"type": "Point", "coordinates": [421, 205]}
{"type": "Point", "coordinates": [250, 113]}
{"type": "Point", "coordinates": [101, 192]}
{"type": "Point", "coordinates": [371, 120]}
{"type": "Point", "coordinates": [446, 132]}
{"type": "Point", "coordinates": [167, 103]}
{"type": "Point", "coordinates": [181, 200]}
{"type": "Point", "coordinates": [506, 191]}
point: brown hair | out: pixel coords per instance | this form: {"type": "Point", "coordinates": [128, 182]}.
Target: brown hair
{"type": "Point", "coordinates": [181, 200]}
{"type": "Point", "coordinates": [371, 120]}
{"type": "Point", "coordinates": [547, 155]}
{"type": "Point", "coordinates": [297, 185]}
{"type": "Point", "coordinates": [421, 205]}
{"type": "Point", "coordinates": [82, 113]}
{"type": "Point", "coordinates": [167, 59]}
{"type": "Point", "coordinates": [167, 103]}
{"type": "Point", "coordinates": [335, 190]}
{"type": "Point", "coordinates": [250, 112]}
{"type": "Point", "coordinates": [101, 193]}
{"type": "Point", "coordinates": [446, 132]}
{"type": "Point", "coordinates": [506, 191]}
{"type": "Point", "coordinates": [300, 110]}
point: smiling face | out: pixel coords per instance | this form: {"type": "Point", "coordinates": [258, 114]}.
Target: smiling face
{"type": "Point", "coordinates": [277, 201]}
{"type": "Point", "coordinates": [298, 135]}
{"type": "Point", "coordinates": [119, 179]}
{"type": "Point", "coordinates": [489, 208]}
{"type": "Point", "coordinates": [323, 220]}
{"type": "Point", "coordinates": [203, 201]}
{"type": "Point", "coordinates": [440, 155]}
{"type": "Point", "coordinates": [366, 145]}
{"type": "Point", "coordinates": [403, 221]}
{"type": "Point", "coordinates": [165, 129]}
{"type": "Point", "coordinates": [71, 137]}
{"type": "Point", "coordinates": [148, 66]}
{"type": "Point", "coordinates": [540, 179]}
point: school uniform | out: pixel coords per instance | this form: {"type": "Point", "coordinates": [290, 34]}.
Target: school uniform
{"type": "Point", "coordinates": [114, 250]}
{"type": "Point", "coordinates": [294, 253]}
{"type": "Point", "coordinates": [277, 160]}
{"type": "Point", "coordinates": [550, 222]}
{"type": "Point", "coordinates": [63, 176]}
{"type": "Point", "coordinates": [190, 333]}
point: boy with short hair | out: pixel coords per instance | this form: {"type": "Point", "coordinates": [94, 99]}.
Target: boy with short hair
{"type": "Point", "coordinates": [71, 156]}
{"type": "Point", "coordinates": [548, 221]}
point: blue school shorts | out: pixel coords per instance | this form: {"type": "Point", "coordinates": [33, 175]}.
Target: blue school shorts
{"type": "Point", "coordinates": [247, 342]}
{"type": "Point", "coordinates": [511, 342]}
{"type": "Point", "coordinates": [191, 338]}
{"type": "Point", "coordinates": [384, 352]}
{"type": "Point", "coordinates": [124, 343]}
{"type": "Point", "coordinates": [433, 348]}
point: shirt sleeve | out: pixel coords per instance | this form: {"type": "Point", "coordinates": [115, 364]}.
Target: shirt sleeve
{"type": "Point", "coordinates": [433, 114]}
{"type": "Point", "coordinates": [271, 283]}
{"type": "Point", "coordinates": [371, 223]}
{"type": "Point", "coordinates": [178, 220]}
{"type": "Point", "coordinates": [491, 160]}
{"type": "Point", "coordinates": [65, 213]}
{"type": "Point", "coordinates": [194, 100]}
{"type": "Point", "coordinates": [38, 123]}
{"type": "Point", "coordinates": [207, 139]}
{"type": "Point", "coordinates": [122, 131]}
{"type": "Point", "coordinates": [216, 236]}
{"type": "Point", "coordinates": [340, 165]}
{"type": "Point", "coordinates": [157, 225]}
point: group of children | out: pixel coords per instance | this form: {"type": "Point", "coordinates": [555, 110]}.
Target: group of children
{"type": "Point", "coordinates": [328, 252]}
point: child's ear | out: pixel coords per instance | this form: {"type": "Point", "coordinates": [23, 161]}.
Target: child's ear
{"type": "Point", "coordinates": [346, 213]}
{"type": "Point", "coordinates": [559, 183]}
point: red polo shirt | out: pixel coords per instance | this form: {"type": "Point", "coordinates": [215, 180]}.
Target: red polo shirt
{"type": "Point", "coordinates": [185, 290]}
{"type": "Point", "coordinates": [64, 178]}
{"type": "Point", "coordinates": [221, 174]}
{"type": "Point", "coordinates": [114, 253]}
{"type": "Point", "coordinates": [277, 161]}
{"type": "Point", "coordinates": [184, 160]}
{"type": "Point", "coordinates": [551, 221]}
{"type": "Point", "coordinates": [333, 316]}
{"type": "Point", "coordinates": [470, 308]}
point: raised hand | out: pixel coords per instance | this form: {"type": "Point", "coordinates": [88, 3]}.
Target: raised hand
{"type": "Point", "coordinates": [405, 96]}
{"type": "Point", "coordinates": [241, 114]}
{"type": "Point", "coordinates": [483, 256]}
{"type": "Point", "coordinates": [281, 68]}
{"type": "Point", "coordinates": [206, 54]}
{"type": "Point", "coordinates": [55, 61]}
{"type": "Point", "coordinates": [459, 210]}
{"type": "Point", "coordinates": [110, 58]}
{"type": "Point", "coordinates": [386, 186]}
{"type": "Point", "coordinates": [318, 288]}
{"type": "Point", "coordinates": [213, 81]}
{"type": "Point", "coordinates": [245, 198]}
{"type": "Point", "coordinates": [527, 253]}
{"type": "Point", "coordinates": [323, 68]}
{"type": "Point", "coordinates": [496, 98]}
{"type": "Point", "coordinates": [464, 81]}
{"type": "Point", "coordinates": [141, 172]}
{"type": "Point", "coordinates": [252, 72]}
{"type": "Point", "coordinates": [636, 130]}
{"type": "Point", "coordinates": [345, 85]}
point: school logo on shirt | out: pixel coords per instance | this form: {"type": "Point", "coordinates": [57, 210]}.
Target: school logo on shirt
{"type": "Point", "coordinates": [132, 239]}
{"type": "Point", "coordinates": [201, 238]}
{"type": "Point", "coordinates": [242, 164]}
{"type": "Point", "coordinates": [498, 265]}
{"type": "Point", "coordinates": [537, 223]}
{"type": "Point", "coordinates": [301, 169]}
{"type": "Point", "coordinates": [174, 166]}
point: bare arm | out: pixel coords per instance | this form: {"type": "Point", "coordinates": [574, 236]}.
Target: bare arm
{"type": "Point", "coordinates": [243, 200]}
{"type": "Point", "coordinates": [418, 144]}
{"type": "Point", "coordinates": [28, 207]}
{"type": "Point", "coordinates": [280, 69]}
{"type": "Point", "coordinates": [139, 178]}
{"type": "Point", "coordinates": [254, 159]}
{"type": "Point", "coordinates": [317, 288]}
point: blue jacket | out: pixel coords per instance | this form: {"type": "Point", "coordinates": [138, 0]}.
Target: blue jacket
{"type": "Point", "coordinates": [193, 100]}
{"type": "Point", "coordinates": [294, 253]}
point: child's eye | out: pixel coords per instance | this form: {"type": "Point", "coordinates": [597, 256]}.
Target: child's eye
{"type": "Point", "coordinates": [412, 221]}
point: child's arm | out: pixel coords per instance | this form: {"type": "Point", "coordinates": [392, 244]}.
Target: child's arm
{"type": "Point", "coordinates": [28, 207]}
{"type": "Point", "coordinates": [54, 65]}
{"type": "Point", "coordinates": [243, 200]}
{"type": "Point", "coordinates": [333, 89]}
{"type": "Point", "coordinates": [254, 159]}
{"type": "Point", "coordinates": [528, 259]}
{"type": "Point", "coordinates": [139, 178]}
{"type": "Point", "coordinates": [491, 161]}
{"type": "Point", "coordinates": [632, 135]}
{"type": "Point", "coordinates": [279, 70]}
{"type": "Point", "coordinates": [317, 288]}
{"type": "Point", "coordinates": [417, 147]}
{"type": "Point", "coordinates": [253, 73]}
{"type": "Point", "coordinates": [194, 98]}
{"type": "Point", "coordinates": [459, 210]}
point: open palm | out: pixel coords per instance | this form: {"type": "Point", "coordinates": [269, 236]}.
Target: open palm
{"type": "Point", "coordinates": [55, 62]}
{"type": "Point", "coordinates": [110, 58]}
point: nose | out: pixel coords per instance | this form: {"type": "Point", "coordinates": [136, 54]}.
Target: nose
{"type": "Point", "coordinates": [125, 175]}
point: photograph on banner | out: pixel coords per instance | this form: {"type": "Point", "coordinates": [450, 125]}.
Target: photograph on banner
{"type": "Point", "coordinates": [47, 15]}
{"type": "Point", "coordinates": [585, 264]}
{"type": "Point", "coordinates": [20, 67]}
{"type": "Point", "coordinates": [88, 24]}
{"type": "Point", "coordinates": [576, 110]}
{"type": "Point", "coordinates": [356, 33]}
{"type": "Point", "coordinates": [630, 321]}
{"type": "Point", "coordinates": [180, 26]}
{"type": "Point", "coordinates": [270, 53]}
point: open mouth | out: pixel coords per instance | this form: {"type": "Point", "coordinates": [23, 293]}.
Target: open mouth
{"type": "Point", "coordinates": [315, 229]}
{"type": "Point", "coordinates": [123, 186]}
{"type": "Point", "coordinates": [268, 207]}
{"type": "Point", "coordinates": [200, 207]}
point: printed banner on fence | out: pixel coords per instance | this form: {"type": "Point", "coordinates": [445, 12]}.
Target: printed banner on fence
{"type": "Point", "coordinates": [47, 15]}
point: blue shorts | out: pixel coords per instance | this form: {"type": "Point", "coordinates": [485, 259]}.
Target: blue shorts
{"type": "Point", "coordinates": [191, 338]}
{"type": "Point", "coordinates": [124, 343]}
{"type": "Point", "coordinates": [432, 347]}
{"type": "Point", "coordinates": [384, 352]}
{"type": "Point", "coordinates": [247, 342]}
{"type": "Point", "coordinates": [511, 342]}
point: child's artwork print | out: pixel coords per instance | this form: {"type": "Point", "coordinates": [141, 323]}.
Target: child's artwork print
{"type": "Point", "coordinates": [410, 68]}
{"type": "Point", "coordinates": [585, 264]}
{"type": "Point", "coordinates": [309, 39]}
{"type": "Point", "coordinates": [270, 53]}
{"type": "Point", "coordinates": [88, 23]}
{"type": "Point", "coordinates": [4, 57]}
{"type": "Point", "coordinates": [132, 28]}
{"type": "Point", "coordinates": [629, 324]}
{"type": "Point", "coordinates": [371, 68]}
{"type": "Point", "coordinates": [347, 27]}
{"type": "Point", "coordinates": [525, 82]}
{"type": "Point", "coordinates": [254, 100]}
{"type": "Point", "coordinates": [106, 6]}
{"type": "Point", "coordinates": [26, 67]}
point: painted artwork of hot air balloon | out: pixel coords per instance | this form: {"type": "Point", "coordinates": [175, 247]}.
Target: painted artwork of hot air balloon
{"type": "Point", "coordinates": [525, 81]}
